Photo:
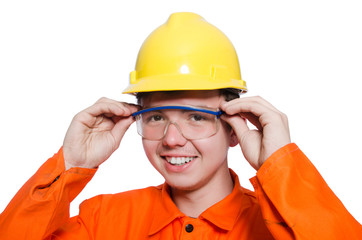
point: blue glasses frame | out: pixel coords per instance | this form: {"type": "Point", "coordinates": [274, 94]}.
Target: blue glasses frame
{"type": "Point", "coordinates": [216, 113]}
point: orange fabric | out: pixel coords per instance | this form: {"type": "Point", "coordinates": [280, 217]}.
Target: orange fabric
{"type": "Point", "coordinates": [291, 201]}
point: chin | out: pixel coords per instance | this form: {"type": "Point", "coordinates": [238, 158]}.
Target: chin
{"type": "Point", "coordinates": [183, 187]}
{"type": "Point", "coordinates": [183, 183]}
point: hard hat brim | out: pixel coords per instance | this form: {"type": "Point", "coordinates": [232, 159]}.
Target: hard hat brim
{"type": "Point", "coordinates": [181, 82]}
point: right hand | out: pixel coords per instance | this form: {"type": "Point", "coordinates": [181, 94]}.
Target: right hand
{"type": "Point", "coordinates": [96, 132]}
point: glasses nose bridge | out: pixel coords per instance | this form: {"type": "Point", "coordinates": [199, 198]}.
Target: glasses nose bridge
{"type": "Point", "coordinates": [175, 124]}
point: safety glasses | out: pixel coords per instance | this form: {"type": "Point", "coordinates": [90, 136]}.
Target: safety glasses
{"type": "Point", "coordinates": [192, 122]}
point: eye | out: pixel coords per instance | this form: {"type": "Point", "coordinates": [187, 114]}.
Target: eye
{"type": "Point", "coordinates": [157, 118]}
{"type": "Point", "coordinates": [197, 117]}
{"type": "Point", "coordinates": [154, 118]}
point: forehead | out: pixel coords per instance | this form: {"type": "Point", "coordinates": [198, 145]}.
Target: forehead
{"type": "Point", "coordinates": [208, 98]}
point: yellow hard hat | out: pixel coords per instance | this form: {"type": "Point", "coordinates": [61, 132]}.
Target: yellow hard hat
{"type": "Point", "coordinates": [186, 53]}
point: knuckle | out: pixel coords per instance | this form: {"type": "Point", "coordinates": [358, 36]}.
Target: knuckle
{"type": "Point", "coordinates": [79, 116]}
{"type": "Point", "coordinates": [275, 116]}
{"type": "Point", "coordinates": [96, 105]}
{"type": "Point", "coordinates": [258, 98]}
{"type": "Point", "coordinates": [124, 105]}
{"type": "Point", "coordinates": [102, 99]}
{"type": "Point", "coordinates": [283, 117]}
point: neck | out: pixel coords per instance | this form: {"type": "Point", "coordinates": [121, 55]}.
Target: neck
{"type": "Point", "coordinates": [194, 202]}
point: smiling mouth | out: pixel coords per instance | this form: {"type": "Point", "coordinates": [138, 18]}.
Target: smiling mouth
{"type": "Point", "coordinates": [179, 161]}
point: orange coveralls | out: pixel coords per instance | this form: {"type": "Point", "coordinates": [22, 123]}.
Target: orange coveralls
{"type": "Point", "coordinates": [291, 201]}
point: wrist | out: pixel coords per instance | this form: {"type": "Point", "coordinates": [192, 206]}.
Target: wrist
{"type": "Point", "coordinates": [68, 166]}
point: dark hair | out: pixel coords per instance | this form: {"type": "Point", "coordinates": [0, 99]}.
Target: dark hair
{"type": "Point", "coordinates": [228, 93]}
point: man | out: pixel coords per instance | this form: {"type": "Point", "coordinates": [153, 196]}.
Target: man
{"type": "Point", "coordinates": [187, 82]}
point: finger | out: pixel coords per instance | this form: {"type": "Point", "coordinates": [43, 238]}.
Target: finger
{"type": "Point", "coordinates": [110, 109]}
{"type": "Point", "coordinates": [246, 105]}
{"type": "Point", "coordinates": [262, 112]}
{"type": "Point", "coordinates": [96, 113]}
{"type": "Point", "coordinates": [238, 124]}
{"type": "Point", "coordinates": [131, 106]}
{"type": "Point", "coordinates": [264, 102]}
{"type": "Point", "coordinates": [253, 120]}
{"type": "Point", "coordinates": [256, 99]}
{"type": "Point", "coordinates": [108, 100]}
{"type": "Point", "coordinates": [121, 127]}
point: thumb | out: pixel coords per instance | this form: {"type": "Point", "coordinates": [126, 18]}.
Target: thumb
{"type": "Point", "coordinates": [121, 127]}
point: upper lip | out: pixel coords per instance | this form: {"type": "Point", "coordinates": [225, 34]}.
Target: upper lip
{"type": "Point", "coordinates": [176, 155]}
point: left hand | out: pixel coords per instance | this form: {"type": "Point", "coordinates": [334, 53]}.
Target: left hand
{"type": "Point", "coordinates": [272, 130]}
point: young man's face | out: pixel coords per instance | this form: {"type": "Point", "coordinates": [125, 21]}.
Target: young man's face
{"type": "Point", "coordinates": [208, 156]}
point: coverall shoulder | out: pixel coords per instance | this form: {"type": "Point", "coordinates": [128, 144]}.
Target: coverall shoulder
{"type": "Point", "coordinates": [291, 201]}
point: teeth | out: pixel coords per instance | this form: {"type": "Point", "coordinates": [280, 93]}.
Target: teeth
{"type": "Point", "coordinates": [179, 160]}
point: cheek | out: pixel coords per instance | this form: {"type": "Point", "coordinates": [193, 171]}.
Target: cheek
{"type": "Point", "coordinates": [150, 148]}
{"type": "Point", "coordinates": [215, 147]}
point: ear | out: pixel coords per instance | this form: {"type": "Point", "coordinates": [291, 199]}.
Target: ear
{"type": "Point", "coordinates": [233, 138]}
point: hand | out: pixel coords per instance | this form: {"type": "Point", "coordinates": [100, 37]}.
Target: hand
{"type": "Point", "coordinates": [96, 132]}
{"type": "Point", "coordinates": [272, 130]}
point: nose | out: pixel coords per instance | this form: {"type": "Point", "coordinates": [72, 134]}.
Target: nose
{"type": "Point", "coordinates": [173, 136]}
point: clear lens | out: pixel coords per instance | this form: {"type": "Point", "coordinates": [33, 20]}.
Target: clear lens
{"type": "Point", "coordinates": [193, 124]}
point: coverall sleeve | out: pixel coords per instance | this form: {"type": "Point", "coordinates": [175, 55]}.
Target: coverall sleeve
{"type": "Point", "coordinates": [297, 203]}
{"type": "Point", "coordinates": [41, 206]}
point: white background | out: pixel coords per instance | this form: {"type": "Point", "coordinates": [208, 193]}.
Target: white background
{"type": "Point", "coordinates": [58, 57]}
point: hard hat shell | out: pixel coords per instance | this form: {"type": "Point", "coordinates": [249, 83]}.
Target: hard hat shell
{"type": "Point", "coordinates": [186, 53]}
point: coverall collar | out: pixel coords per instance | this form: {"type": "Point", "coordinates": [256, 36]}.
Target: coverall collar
{"type": "Point", "coordinates": [223, 214]}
